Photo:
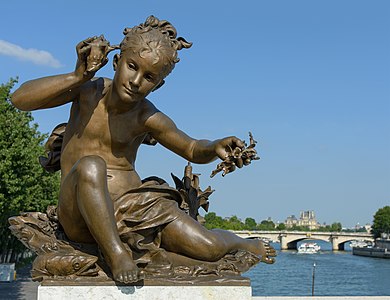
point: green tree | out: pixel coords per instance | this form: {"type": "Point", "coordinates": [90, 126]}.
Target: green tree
{"type": "Point", "coordinates": [24, 184]}
{"type": "Point", "coordinates": [336, 227]}
{"type": "Point", "coordinates": [250, 224]}
{"type": "Point", "coordinates": [234, 223]}
{"type": "Point", "coordinates": [381, 222]}
{"type": "Point", "coordinates": [213, 221]}
{"type": "Point", "coordinates": [266, 225]}
{"type": "Point", "coordinates": [299, 228]}
{"type": "Point", "coordinates": [281, 226]}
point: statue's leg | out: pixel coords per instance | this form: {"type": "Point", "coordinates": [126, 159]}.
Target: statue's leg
{"type": "Point", "coordinates": [86, 213]}
{"type": "Point", "coordinates": [186, 236]}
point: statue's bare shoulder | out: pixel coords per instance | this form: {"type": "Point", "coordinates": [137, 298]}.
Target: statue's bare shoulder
{"type": "Point", "coordinates": [94, 88]}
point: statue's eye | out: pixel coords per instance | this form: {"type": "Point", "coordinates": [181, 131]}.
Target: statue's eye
{"type": "Point", "coordinates": [76, 265]}
{"type": "Point", "coordinates": [149, 77]}
{"type": "Point", "coordinates": [132, 66]}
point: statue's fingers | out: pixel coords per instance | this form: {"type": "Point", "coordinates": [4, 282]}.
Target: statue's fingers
{"type": "Point", "coordinates": [235, 142]}
{"type": "Point", "coordinates": [247, 161]}
{"type": "Point", "coordinates": [240, 143]}
{"type": "Point", "coordinates": [94, 68]}
{"type": "Point", "coordinates": [104, 62]}
{"type": "Point", "coordinates": [90, 39]}
{"type": "Point", "coordinates": [228, 151]}
{"type": "Point", "coordinates": [85, 42]}
{"type": "Point", "coordinates": [79, 46]}
{"type": "Point", "coordinates": [231, 168]}
{"type": "Point", "coordinates": [83, 52]}
{"type": "Point", "coordinates": [239, 162]}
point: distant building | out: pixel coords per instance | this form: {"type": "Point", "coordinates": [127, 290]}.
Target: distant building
{"type": "Point", "coordinates": [306, 219]}
{"type": "Point", "coordinates": [368, 227]}
{"type": "Point", "coordinates": [291, 221]}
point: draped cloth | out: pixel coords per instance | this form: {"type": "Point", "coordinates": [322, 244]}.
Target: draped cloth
{"type": "Point", "coordinates": [142, 213]}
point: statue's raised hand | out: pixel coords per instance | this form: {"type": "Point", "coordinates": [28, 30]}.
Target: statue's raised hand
{"type": "Point", "coordinates": [92, 56]}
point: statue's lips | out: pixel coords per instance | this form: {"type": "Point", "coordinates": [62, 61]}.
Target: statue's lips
{"type": "Point", "coordinates": [130, 92]}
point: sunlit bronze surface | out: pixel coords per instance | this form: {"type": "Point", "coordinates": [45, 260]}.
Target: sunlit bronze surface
{"type": "Point", "coordinates": [137, 225]}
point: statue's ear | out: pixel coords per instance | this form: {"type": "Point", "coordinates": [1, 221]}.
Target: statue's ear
{"type": "Point", "coordinates": [116, 60]}
{"type": "Point", "coordinates": [159, 85]}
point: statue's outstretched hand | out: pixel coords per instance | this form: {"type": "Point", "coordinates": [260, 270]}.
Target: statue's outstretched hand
{"type": "Point", "coordinates": [227, 146]}
{"type": "Point", "coordinates": [92, 56]}
{"type": "Point", "coordinates": [234, 153]}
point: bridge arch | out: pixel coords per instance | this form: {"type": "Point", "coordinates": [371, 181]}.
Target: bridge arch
{"type": "Point", "coordinates": [293, 244]}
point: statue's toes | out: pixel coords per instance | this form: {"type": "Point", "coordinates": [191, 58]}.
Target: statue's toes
{"type": "Point", "coordinates": [267, 260]}
{"type": "Point", "coordinates": [271, 252]}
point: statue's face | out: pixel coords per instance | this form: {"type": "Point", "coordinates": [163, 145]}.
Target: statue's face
{"type": "Point", "coordinates": [137, 76]}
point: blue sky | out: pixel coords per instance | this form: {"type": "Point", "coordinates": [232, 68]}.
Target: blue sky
{"type": "Point", "coordinates": [310, 79]}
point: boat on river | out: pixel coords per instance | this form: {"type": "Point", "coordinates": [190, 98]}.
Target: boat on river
{"type": "Point", "coordinates": [360, 244]}
{"type": "Point", "coordinates": [309, 248]}
{"type": "Point", "coordinates": [381, 249]}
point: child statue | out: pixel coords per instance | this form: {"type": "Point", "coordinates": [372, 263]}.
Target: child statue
{"type": "Point", "coordinates": [102, 198]}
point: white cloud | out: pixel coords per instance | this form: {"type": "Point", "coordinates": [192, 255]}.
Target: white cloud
{"type": "Point", "coordinates": [35, 56]}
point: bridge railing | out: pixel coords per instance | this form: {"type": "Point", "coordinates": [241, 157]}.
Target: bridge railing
{"type": "Point", "coordinates": [333, 233]}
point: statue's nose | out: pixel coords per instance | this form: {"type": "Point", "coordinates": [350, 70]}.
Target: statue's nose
{"type": "Point", "coordinates": [136, 80]}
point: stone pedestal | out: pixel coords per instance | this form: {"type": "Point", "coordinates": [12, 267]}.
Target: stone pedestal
{"type": "Point", "coordinates": [99, 291]}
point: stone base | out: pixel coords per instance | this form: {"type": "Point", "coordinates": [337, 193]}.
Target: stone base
{"type": "Point", "coordinates": [123, 292]}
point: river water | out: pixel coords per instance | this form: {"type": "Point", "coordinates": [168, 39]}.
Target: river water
{"type": "Point", "coordinates": [336, 274]}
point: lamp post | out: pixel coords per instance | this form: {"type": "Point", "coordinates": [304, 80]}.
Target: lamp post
{"type": "Point", "coordinates": [313, 278]}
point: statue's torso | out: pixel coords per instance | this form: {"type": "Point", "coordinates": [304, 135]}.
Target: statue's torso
{"type": "Point", "coordinates": [92, 130]}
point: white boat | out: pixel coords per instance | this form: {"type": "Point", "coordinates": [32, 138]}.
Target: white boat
{"type": "Point", "coordinates": [359, 244]}
{"type": "Point", "coordinates": [309, 248]}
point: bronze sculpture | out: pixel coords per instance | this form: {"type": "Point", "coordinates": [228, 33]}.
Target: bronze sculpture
{"type": "Point", "coordinates": [136, 224]}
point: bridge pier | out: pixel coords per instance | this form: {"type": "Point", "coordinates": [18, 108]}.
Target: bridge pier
{"type": "Point", "coordinates": [335, 244]}
{"type": "Point", "coordinates": [285, 245]}
{"type": "Point", "coordinates": [283, 242]}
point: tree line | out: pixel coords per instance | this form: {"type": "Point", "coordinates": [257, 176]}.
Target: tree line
{"type": "Point", "coordinates": [380, 226]}
{"type": "Point", "coordinates": [234, 223]}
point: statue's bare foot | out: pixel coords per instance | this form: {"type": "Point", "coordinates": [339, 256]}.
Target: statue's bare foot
{"type": "Point", "coordinates": [265, 250]}
{"type": "Point", "coordinates": [124, 269]}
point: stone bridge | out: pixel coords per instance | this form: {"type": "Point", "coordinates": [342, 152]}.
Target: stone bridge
{"type": "Point", "coordinates": [289, 239]}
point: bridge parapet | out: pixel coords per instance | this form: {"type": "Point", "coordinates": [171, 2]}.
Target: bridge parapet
{"type": "Point", "coordinates": [289, 239]}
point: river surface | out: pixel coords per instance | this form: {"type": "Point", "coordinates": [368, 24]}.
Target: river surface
{"type": "Point", "coordinates": [336, 273]}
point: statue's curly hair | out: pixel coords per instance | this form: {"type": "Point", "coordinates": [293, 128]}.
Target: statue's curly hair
{"type": "Point", "coordinates": [156, 36]}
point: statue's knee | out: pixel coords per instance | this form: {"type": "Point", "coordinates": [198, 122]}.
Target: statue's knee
{"type": "Point", "coordinates": [91, 168]}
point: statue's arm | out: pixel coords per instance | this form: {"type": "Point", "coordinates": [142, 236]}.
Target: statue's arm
{"type": "Point", "coordinates": [165, 131]}
{"type": "Point", "coordinates": [57, 90]}
{"type": "Point", "coordinates": [46, 92]}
